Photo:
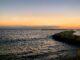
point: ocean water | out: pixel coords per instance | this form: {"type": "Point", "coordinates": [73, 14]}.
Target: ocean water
{"type": "Point", "coordinates": [33, 45]}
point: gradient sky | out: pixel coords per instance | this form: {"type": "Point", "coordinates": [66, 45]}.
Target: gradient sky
{"type": "Point", "coordinates": [62, 13]}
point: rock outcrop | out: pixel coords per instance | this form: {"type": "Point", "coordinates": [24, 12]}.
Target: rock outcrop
{"type": "Point", "coordinates": [67, 37]}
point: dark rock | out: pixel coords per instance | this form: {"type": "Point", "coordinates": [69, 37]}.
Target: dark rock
{"type": "Point", "coordinates": [67, 37]}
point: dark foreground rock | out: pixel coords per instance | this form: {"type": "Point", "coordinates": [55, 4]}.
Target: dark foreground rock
{"type": "Point", "coordinates": [67, 37]}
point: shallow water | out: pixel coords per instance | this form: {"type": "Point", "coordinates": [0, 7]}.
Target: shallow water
{"type": "Point", "coordinates": [33, 44]}
{"type": "Point", "coordinates": [77, 33]}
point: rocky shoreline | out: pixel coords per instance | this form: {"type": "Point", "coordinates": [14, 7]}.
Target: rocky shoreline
{"type": "Point", "coordinates": [67, 37]}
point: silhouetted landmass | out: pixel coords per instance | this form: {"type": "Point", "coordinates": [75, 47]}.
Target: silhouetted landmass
{"type": "Point", "coordinates": [34, 28]}
{"type": "Point", "coordinates": [29, 28]}
{"type": "Point", "coordinates": [67, 37]}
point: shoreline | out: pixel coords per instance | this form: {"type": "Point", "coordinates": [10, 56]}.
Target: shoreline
{"type": "Point", "coordinates": [67, 37]}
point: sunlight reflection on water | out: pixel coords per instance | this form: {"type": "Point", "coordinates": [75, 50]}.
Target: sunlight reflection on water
{"type": "Point", "coordinates": [32, 42]}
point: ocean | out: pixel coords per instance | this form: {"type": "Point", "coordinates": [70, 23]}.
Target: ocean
{"type": "Point", "coordinates": [33, 45]}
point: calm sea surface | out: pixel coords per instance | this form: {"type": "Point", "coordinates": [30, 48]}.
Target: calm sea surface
{"type": "Point", "coordinates": [33, 44]}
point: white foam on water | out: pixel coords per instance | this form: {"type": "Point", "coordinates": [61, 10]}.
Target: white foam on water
{"type": "Point", "coordinates": [77, 33]}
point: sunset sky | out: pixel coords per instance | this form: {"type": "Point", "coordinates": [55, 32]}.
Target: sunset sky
{"type": "Point", "coordinates": [62, 13]}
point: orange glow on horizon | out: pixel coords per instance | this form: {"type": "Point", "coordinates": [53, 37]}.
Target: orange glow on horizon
{"type": "Point", "coordinates": [64, 22]}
